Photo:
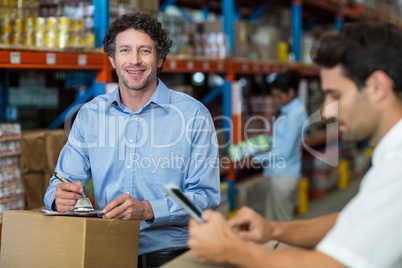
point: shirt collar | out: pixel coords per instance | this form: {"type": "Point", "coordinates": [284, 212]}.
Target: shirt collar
{"type": "Point", "coordinates": [286, 108]}
{"type": "Point", "coordinates": [160, 97]}
{"type": "Point", "coordinates": [388, 143]}
{"type": "Point", "coordinates": [114, 98]}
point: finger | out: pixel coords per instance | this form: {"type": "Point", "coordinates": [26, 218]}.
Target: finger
{"type": "Point", "coordinates": [65, 205]}
{"type": "Point", "coordinates": [192, 224]}
{"type": "Point", "coordinates": [121, 210]}
{"type": "Point", "coordinates": [245, 235]}
{"type": "Point", "coordinates": [238, 221]}
{"type": "Point", "coordinates": [193, 244]}
{"type": "Point", "coordinates": [242, 217]}
{"type": "Point", "coordinates": [78, 183]}
{"type": "Point", "coordinates": [70, 187]}
{"type": "Point", "coordinates": [113, 214]}
{"type": "Point", "coordinates": [208, 214]}
{"type": "Point", "coordinates": [64, 208]}
{"type": "Point", "coordinates": [123, 215]}
{"type": "Point", "coordinates": [66, 202]}
{"type": "Point", "coordinates": [115, 203]}
{"type": "Point", "coordinates": [60, 194]}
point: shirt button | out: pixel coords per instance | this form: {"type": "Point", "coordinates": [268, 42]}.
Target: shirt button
{"type": "Point", "coordinates": [128, 166]}
{"type": "Point", "coordinates": [131, 141]}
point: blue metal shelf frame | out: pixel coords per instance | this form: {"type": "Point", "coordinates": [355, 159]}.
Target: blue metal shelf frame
{"type": "Point", "coordinates": [101, 20]}
{"type": "Point", "coordinates": [166, 4]}
{"type": "Point", "coordinates": [260, 11]}
{"type": "Point", "coordinates": [73, 108]}
{"type": "Point", "coordinates": [205, 12]}
{"type": "Point", "coordinates": [228, 10]}
{"type": "Point", "coordinates": [297, 28]}
{"type": "Point", "coordinates": [338, 22]}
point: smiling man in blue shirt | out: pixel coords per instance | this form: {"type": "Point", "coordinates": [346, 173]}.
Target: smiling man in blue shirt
{"type": "Point", "coordinates": [137, 138]}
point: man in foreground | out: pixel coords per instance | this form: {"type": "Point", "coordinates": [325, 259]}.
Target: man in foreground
{"type": "Point", "coordinates": [361, 76]}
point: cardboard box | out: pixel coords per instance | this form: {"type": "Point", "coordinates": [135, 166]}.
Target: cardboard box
{"type": "Point", "coordinates": [34, 189]}
{"type": "Point", "coordinates": [32, 157]}
{"type": "Point", "coordinates": [30, 239]}
{"type": "Point", "coordinates": [54, 142]}
{"type": "Point", "coordinates": [46, 182]}
{"type": "Point", "coordinates": [150, 6]}
{"type": "Point", "coordinates": [266, 40]}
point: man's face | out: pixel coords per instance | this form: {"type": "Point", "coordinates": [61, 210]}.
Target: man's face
{"type": "Point", "coordinates": [135, 60]}
{"type": "Point", "coordinates": [350, 107]}
{"type": "Point", "coordinates": [282, 98]}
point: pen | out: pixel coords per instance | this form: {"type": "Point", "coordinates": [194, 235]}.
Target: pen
{"type": "Point", "coordinates": [63, 179]}
{"type": "Point", "coordinates": [60, 177]}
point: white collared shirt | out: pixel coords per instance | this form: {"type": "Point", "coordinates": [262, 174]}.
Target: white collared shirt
{"type": "Point", "coordinates": [368, 231]}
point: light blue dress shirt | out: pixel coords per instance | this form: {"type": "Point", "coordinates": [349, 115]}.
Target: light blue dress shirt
{"type": "Point", "coordinates": [170, 139]}
{"type": "Point", "coordinates": [285, 157]}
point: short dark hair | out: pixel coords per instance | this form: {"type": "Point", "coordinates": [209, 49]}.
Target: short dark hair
{"type": "Point", "coordinates": [141, 22]}
{"type": "Point", "coordinates": [286, 81]}
{"type": "Point", "coordinates": [362, 48]}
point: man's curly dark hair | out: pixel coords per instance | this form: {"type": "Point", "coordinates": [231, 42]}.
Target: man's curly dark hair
{"type": "Point", "coordinates": [141, 22]}
{"type": "Point", "coordinates": [362, 48]}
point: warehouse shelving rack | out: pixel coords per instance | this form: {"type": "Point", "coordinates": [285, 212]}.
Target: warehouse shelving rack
{"type": "Point", "coordinates": [16, 58]}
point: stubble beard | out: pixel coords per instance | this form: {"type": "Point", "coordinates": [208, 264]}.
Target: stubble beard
{"type": "Point", "coordinates": [148, 80]}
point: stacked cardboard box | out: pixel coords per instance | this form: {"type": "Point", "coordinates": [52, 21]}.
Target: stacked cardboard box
{"type": "Point", "coordinates": [34, 240]}
{"type": "Point", "coordinates": [261, 117]}
{"type": "Point", "coordinates": [120, 7]}
{"type": "Point", "coordinates": [243, 32]}
{"type": "Point", "coordinates": [39, 153]}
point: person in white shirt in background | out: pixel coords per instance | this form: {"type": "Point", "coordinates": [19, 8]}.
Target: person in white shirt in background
{"type": "Point", "coordinates": [361, 75]}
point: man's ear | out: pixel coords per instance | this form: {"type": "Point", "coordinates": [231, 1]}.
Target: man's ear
{"type": "Point", "coordinates": [160, 62]}
{"type": "Point", "coordinates": [381, 85]}
{"type": "Point", "coordinates": [112, 62]}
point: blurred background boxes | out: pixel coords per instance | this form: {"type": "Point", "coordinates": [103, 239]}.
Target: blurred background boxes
{"type": "Point", "coordinates": [40, 150]}
{"type": "Point", "coordinates": [253, 193]}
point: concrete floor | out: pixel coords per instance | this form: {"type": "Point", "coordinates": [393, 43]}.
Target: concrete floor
{"type": "Point", "coordinates": [333, 202]}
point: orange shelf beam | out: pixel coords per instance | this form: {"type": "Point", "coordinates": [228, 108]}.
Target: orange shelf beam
{"type": "Point", "coordinates": [21, 59]}
{"type": "Point", "coordinates": [233, 66]}
{"type": "Point", "coordinates": [105, 75]}
{"type": "Point", "coordinates": [178, 64]}
{"type": "Point", "coordinates": [49, 60]}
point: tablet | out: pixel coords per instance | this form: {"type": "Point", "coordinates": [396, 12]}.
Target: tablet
{"type": "Point", "coordinates": [179, 197]}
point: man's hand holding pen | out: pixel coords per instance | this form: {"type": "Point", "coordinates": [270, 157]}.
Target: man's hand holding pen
{"type": "Point", "coordinates": [67, 195]}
